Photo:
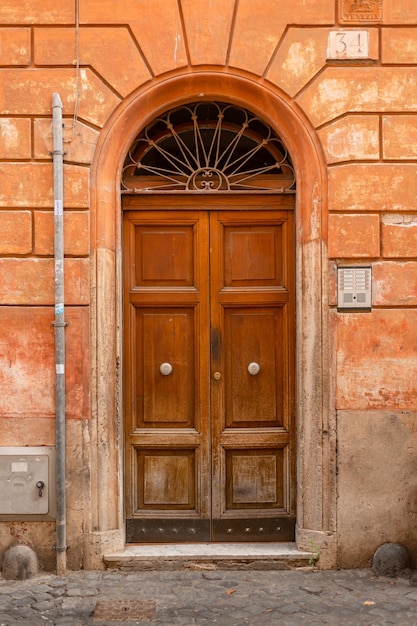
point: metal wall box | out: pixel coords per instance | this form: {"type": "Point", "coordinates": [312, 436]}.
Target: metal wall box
{"type": "Point", "coordinates": [354, 288]}
{"type": "Point", "coordinates": [27, 483]}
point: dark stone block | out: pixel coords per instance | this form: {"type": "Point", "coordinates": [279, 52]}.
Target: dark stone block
{"type": "Point", "coordinates": [391, 559]}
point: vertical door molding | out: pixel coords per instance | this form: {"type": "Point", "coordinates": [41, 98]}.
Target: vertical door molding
{"type": "Point", "coordinates": [315, 421]}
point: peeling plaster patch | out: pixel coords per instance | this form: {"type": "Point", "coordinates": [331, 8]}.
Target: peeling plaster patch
{"type": "Point", "coordinates": [45, 133]}
{"type": "Point", "coordinates": [391, 187]}
{"type": "Point", "coordinates": [395, 93]}
{"type": "Point", "coordinates": [346, 144]}
{"type": "Point", "coordinates": [177, 41]}
{"type": "Point", "coordinates": [380, 359]}
{"type": "Point", "coordinates": [395, 283]}
{"type": "Point", "coordinates": [356, 138]}
{"type": "Point", "coordinates": [335, 95]}
{"type": "Point", "coordinates": [70, 86]}
{"type": "Point", "coordinates": [76, 187]}
{"type": "Point", "coordinates": [400, 90]}
{"type": "Point", "coordinates": [331, 90]}
{"type": "Point", "coordinates": [368, 93]}
{"type": "Point", "coordinates": [400, 139]}
{"type": "Point", "coordinates": [315, 219]}
{"type": "Point", "coordinates": [398, 181]}
{"type": "Point", "coordinates": [19, 379]}
{"type": "Point", "coordinates": [295, 62]}
{"type": "Point", "coordinates": [378, 288]}
{"type": "Point", "coordinates": [86, 86]}
{"type": "Point", "coordinates": [404, 220]}
{"type": "Point", "coordinates": [9, 133]}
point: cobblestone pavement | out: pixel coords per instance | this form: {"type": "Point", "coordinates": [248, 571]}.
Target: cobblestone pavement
{"type": "Point", "coordinates": [221, 597]}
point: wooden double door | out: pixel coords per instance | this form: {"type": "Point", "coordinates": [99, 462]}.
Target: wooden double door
{"type": "Point", "coordinates": [209, 370]}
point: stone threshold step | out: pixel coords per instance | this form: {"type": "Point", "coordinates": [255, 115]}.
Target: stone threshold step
{"type": "Point", "coordinates": [265, 556]}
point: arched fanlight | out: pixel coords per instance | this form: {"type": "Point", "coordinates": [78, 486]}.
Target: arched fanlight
{"type": "Point", "coordinates": [208, 147]}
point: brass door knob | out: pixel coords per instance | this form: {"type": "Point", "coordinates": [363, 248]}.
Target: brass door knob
{"type": "Point", "coordinates": [217, 375]}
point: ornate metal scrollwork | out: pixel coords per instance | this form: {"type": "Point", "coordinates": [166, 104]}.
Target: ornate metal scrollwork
{"type": "Point", "coordinates": [208, 147]}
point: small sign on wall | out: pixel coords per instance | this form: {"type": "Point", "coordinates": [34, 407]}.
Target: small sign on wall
{"type": "Point", "coordinates": [361, 10]}
{"type": "Point", "coordinates": [348, 44]}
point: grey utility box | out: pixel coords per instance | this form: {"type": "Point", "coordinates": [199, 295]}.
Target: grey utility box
{"type": "Point", "coordinates": [27, 483]}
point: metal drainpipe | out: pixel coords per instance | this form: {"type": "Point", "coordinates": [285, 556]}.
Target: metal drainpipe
{"type": "Point", "coordinates": [59, 324]}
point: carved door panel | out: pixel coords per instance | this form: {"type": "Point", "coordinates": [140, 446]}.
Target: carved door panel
{"type": "Point", "coordinates": [209, 348]}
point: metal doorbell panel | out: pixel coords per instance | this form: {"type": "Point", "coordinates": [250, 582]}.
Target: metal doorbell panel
{"type": "Point", "coordinates": [354, 288]}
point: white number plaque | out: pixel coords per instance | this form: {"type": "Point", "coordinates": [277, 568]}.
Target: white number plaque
{"type": "Point", "coordinates": [348, 44]}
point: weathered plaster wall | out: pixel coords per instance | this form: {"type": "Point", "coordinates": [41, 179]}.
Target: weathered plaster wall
{"type": "Point", "coordinates": [364, 113]}
{"type": "Point", "coordinates": [378, 495]}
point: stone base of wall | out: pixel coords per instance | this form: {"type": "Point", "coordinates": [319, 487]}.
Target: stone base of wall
{"type": "Point", "coordinates": [322, 543]}
{"type": "Point", "coordinates": [97, 544]}
{"type": "Point", "coordinates": [377, 483]}
{"type": "Point", "coordinates": [40, 536]}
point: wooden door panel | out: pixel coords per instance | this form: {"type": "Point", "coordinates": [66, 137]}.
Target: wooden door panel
{"type": "Point", "coordinates": [165, 338]}
{"type": "Point", "coordinates": [166, 479]}
{"type": "Point", "coordinates": [164, 255]}
{"type": "Point", "coordinates": [254, 336]}
{"type": "Point", "coordinates": [255, 479]}
{"type": "Point", "coordinates": [251, 255]}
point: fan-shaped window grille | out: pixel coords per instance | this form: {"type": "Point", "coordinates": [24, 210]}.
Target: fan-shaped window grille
{"type": "Point", "coordinates": [208, 147]}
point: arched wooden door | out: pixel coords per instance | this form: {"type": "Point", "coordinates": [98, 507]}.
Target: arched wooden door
{"type": "Point", "coordinates": [209, 310]}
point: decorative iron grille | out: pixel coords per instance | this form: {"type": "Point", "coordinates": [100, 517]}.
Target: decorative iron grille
{"type": "Point", "coordinates": [208, 147]}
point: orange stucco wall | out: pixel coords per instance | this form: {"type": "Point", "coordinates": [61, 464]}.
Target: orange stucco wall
{"type": "Point", "coordinates": [364, 114]}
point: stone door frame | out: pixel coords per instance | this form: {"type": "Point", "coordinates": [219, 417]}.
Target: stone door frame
{"type": "Point", "coordinates": [316, 476]}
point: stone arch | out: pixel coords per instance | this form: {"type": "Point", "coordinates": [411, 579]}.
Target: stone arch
{"type": "Point", "coordinates": [316, 476]}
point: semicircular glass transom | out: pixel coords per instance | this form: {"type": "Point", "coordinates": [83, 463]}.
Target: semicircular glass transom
{"type": "Point", "coordinates": [208, 147]}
